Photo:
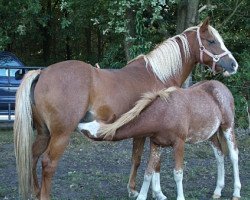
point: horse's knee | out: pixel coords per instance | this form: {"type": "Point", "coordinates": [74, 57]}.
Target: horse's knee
{"type": "Point", "coordinates": [48, 166]}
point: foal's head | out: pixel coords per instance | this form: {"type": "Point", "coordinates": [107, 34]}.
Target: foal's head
{"type": "Point", "coordinates": [212, 50]}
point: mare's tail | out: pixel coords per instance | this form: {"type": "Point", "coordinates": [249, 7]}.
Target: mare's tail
{"type": "Point", "coordinates": [108, 130]}
{"type": "Point", "coordinates": [23, 132]}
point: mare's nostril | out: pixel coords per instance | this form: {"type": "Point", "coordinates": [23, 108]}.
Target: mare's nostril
{"type": "Point", "coordinates": [233, 64]}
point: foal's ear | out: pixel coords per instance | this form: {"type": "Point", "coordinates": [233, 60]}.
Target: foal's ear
{"type": "Point", "coordinates": [204, 25]}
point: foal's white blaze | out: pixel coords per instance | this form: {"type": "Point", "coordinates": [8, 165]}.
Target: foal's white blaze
{"type": "Point", "coordinates": [156, 187]}
{"type": "Point", "coordinates": [178, 177]}
{"type": "Point", "coordinates": [234, 159]}
{"type": "Point", "coordinates": [92, 127]}
{"type": "Point", "coordinates": [220, 170]}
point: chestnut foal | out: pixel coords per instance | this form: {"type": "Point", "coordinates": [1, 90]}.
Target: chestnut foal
{"type": "Point", "coordinates": [174, 116]}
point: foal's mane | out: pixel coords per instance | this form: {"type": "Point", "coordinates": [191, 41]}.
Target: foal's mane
{"type": "Point", "coordinates": [107, 130]}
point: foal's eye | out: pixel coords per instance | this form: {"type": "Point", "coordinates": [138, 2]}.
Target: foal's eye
{"type": "Point", "coordinates": [211, 41]}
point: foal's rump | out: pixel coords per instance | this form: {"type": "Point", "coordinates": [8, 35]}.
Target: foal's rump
{"type": "Point", "coordinates": [221, 96]}
{"type": "Point", "coordinates": [211, 106]}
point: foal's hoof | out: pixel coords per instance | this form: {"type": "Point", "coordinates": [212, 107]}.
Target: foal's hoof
{"type": "Point", "coordinates": [133, 194]}
{"type": "Point", "coordinates": [159, 196]}
{"type": "Point", "coordinates": [236, 198]}
{"type": "Point", "coordinates": [216, 196]}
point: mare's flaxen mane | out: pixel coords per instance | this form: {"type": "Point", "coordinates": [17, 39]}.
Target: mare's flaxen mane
{"type": "Point", "coordinates": [108, 130]}
{"type": "Point", "coordinates": [166, 59]}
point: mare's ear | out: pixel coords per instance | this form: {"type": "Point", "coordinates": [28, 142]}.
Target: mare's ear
{"type": "Point", "coordinates": [204, 25]}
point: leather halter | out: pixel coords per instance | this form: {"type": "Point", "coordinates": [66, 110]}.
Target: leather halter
{"type": "Point", "coordinates": [215, 57]}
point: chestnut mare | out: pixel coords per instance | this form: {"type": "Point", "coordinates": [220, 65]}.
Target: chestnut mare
{"type": "Point", "coordinates": [202, 112]}
{"type": "Point", "coordinates": [73, 94]}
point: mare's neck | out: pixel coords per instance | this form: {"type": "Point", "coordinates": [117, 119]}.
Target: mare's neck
{"type": "Point", "coordinates": [145, 72]}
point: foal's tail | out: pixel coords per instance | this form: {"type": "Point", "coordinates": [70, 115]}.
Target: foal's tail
{"type": "Point", "coordinates": [108, 130]}
{"type": "Point", "coordinates": [23, 132]}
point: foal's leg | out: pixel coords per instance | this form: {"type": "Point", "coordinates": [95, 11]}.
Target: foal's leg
{"type": "Point", "coordinates": [178, 170]}
{"type": "Point", "coordinates": [154, 159]}
{"type": "Point", "coordinates": [56, 147]}
{"type": "Point", "coordinates": [233, 151]}
{"type": "Point", "coordinates": [156, 186]}
{"type": "Point", "coordinates": [39, 146]}
{"type": "Point", "coordinates": [138, 145]}
{"type": "Point", "coordinates": [220, 166]}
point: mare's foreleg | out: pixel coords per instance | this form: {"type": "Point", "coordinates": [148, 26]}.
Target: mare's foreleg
{"type": "Point", "coordinates": [39, 146]}
{"type": "Point", "coordinates": [178, 170]}
{"type": "Point", "coordinates": [50, 160]}
{"type": "Point", "coordinates": [138, 144]}
{"type": "Point", "coordinates": [233, 152]}
{"type": "Point", "coordinates": [153, 161]}
{"type": "Point", "coordinates": [220, 166]}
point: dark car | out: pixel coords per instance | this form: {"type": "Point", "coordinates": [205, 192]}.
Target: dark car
{"type": "Point", "coordinates": [10, 78]}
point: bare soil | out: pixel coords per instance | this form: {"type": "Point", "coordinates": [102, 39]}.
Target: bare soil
{"type": "Point", "coordinates": [100, 170]}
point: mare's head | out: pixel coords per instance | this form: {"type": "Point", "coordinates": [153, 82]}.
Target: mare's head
{"type": "Point", "coordinates": [212, 50]}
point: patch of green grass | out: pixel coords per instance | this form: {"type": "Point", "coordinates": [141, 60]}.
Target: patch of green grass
{"type": "Point", "coordinates": [3, 192]}
{"type": "Point", "coordinates": [6, 136]}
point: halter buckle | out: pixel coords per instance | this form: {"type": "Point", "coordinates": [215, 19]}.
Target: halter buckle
{"type": "Point", "coordinates": [216, 58]}
{"type": "Point", "coordinates": [202, 48]}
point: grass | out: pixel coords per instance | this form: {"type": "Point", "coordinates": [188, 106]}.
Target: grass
{"type": "Point", "coordinates": [6, 136]}
{"type": "Point", "coordinates": [99, 170]}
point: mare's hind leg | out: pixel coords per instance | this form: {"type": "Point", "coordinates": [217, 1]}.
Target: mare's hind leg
{"type": "Point", "coordinates": [56, 147]}
{"type": "Point", "coordinates": [233, 151]}
{"type": "Point", "coordinates": [39, 146]}
{"type": "Point", "coordinates": [154, 159]}
{"type": "Point", "coordinates": [137, 151]}
{"type": "Point", "coordinates": [220, 166]}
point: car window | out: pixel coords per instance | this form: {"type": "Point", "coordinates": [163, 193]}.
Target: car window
{"type": "Point", "coordinates": [4, 72]}
{"type": "Point", "coordinates": [8, 61]}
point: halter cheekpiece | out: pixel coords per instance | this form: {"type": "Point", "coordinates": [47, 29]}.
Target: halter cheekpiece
{"type": "Point", "coordinates": [215, 58]}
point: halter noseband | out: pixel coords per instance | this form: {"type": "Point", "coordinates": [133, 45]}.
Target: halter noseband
{"type": "Point", "coordinates": [215, 58]}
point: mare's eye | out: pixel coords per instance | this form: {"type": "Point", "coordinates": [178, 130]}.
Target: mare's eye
{"type": "Point", "coordinates": [211, 41]}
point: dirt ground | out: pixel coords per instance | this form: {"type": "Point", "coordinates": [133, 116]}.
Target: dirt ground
{"type": "Point", "coordinates": [100, 170]}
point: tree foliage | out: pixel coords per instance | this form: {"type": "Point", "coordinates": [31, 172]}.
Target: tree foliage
{"type": "Point", "coordinates": [43, 32]}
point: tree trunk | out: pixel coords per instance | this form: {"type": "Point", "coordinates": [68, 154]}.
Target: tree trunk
{"type": "Point", "coordinates": [131, 32]}
{"type": "Point", "coordinates": [187, 15]}
{"type": "Point", "coordinates": [46, 33]}
{"type": "Point", "coordinates": [88, 41]}
{"type": "Point", "coordinates": [99, 45]}
{"type": "Point", "coordinates": [68, 49]}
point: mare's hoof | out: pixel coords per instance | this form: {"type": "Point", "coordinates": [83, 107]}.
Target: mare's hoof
{"type": "Point", "coordinates": [133, 194]}
{"type": "Point", "coordinates": [235, 198]}
{"type": "Point", "coordinates": [216, 196]}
